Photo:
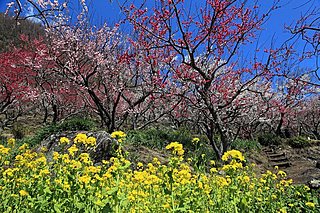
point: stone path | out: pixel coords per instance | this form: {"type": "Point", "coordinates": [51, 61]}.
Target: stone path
{"type": "Point", "coordinates": [277, 157]}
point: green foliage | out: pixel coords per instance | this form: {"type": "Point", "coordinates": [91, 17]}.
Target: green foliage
{"type": "Point", "coordinates": [77, 123]}
{"type": "Point", "coordinates": [199, 153]}
{"type": "Point", "coordinates": [298, 142]}
{"type": "Point", "coordinates": [73, 124]}
{"type": "Point", "coordinates": [40, 135]}
{"type": "Point", "coordinates": [153, 138]}
{"type": "Point", "coordinates": [245, 145]}
{"type": "Point", "coordinates": [18, 131]}
{"type": "Point", "coordinates": [3, 139]}
{"type": "Point", "coordinates": [158, 138]}
{"type": "Point", "coordinates": [269, 139]}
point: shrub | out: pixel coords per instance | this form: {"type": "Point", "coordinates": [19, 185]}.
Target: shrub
{"type": "Point", "coordinates": [159, 137]}
{"type": "Point", "coordinates": [269, 139]}
{"type": "Point", "coordinates": [18, 131]}
{"type": "Point", "coordinates": [73, 124]}
{"type": "Point", "coordinates": [153, 138]}
{"type": "Point", "coordinates": [245, 145]}
{"type": "Point", "coordinates": [77, 123]}
{"type": "Point", "coordinates": [298, 142]}
{"type": "Point", "coordinates": [40, 135]}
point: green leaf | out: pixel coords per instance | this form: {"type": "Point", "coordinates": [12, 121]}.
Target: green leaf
{"type": "Point", "coordinates": [107, 208]}
{"type": "Point", "coordinates": [57, 207]}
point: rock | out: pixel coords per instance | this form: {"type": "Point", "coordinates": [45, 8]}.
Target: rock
{"type": "Point", "coordinates": [318, 164]}
{"type": "Point", "coordinates": [314, 184]}
{"type": "Point", "coordinates": [104, 149]}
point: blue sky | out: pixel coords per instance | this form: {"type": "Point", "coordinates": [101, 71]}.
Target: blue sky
{"type": "Point", "coordinates": [273, 29]}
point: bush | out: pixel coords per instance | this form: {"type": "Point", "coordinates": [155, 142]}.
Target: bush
{"type": "Point", "coordinates": [298, 142]}
{"type": "Point", "coordinates": [159, 138]}
{"type": "Point", "coordinates": [77, 123]}
{"type": "Point", "coordinates": [18, 131]}
{"type": "Point", "coordinates": [73, 124]}
{"type": "Point", "coordinates": [40, 135]}
{"type": "Point", "coordinates": [269, 139]}
{"type": "Point", "coordinates": [153, 138]}
{"type": "Point", "coordinates": [245, 145]}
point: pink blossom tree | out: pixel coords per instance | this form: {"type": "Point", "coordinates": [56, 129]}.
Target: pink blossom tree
{"type": "Point", "coordinates": [204, 44]}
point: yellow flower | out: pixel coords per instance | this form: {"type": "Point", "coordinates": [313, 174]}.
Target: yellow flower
{"type": "Point", "coordinates": [119, 135]}
{"type": "Point", "coordinates": [64, 140]}
{"type": "Point", "coordinates": [176, 147]}
{"type": "Point", "coordinates": [310, 204]}
{"type": "Point", "coordinates": [282, 210]}
{"type": "Point", "coordinates": [246, 179]}
{"type": "Point", "coordinates": [84, 157]}
{"type": "Point", "coordinates": [23, 193]}
{"type": "Point", "coordinates": [19, 158]}
{"type": "Point", "coordinates": [65, 158]}
{"type": "Point", "coordinates": [282, 173]}
{"type": "Point", "coordinates": [66, 186]}
{"type": "Point", "coordinates": [232, 154]}
{"type": "Point", "coordinates": [44, 172]}
{"type": "Point", "coordinates": [11, 141]}
{"type": "Point", "coordinates": [84, 179]}
{"type": "Point", "coordinates": [213, 170]}
{"type": "Point", "coordinates": [195, 140]}
{"type": "Point", "coordinates": [4, 150]}
{"type": "Point", "coordinates": [23, 147]}
{"type": "Point", "coordinates": [76, 164]}
{"type": "Point", "coordinates": [80, 138]}
{"type": "Point", "coordinates": [166, 206]}
{"type": "Point", "coordinates": [139, 164]}
{"type": "Point", "coordinates": [90, 141]}
{"type": "Point", "coordinates": [73, 149]}
{"type": "Point", "coordinates": [55, 155]}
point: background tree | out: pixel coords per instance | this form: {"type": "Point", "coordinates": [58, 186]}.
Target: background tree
{"type": "Point", "coordinates": [205, 43]}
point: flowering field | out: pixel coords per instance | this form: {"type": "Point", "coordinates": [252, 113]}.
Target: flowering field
{"type": "Point", "coordinates": [68, 181]}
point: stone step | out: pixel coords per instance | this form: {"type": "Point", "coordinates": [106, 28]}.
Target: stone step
{"type": "Point", "coordinates": [276, 155]}
{"type": "Point", "coordinates": [281, 164]}
{"type": "Point", "coordinates": [278, 159]}
{"type": "Point", "coordinates": [270, 151]}
{"type": "Point", "coordinates": [267, 149]}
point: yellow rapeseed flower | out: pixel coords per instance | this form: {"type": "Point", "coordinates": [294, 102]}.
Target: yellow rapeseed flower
{"type": "Point", "coordinates": [177, 148]}
{"type": "Point", "coordinates": [282, 173]}
{"type": "Point", "coordinates": [11, 141]}
{"type": "Point", "coordinates": [4, 150]}
{"type": "Point", "coordinates": [23, 193]}
{"type": "Point", "coordinates": [73, 149]}
{"type": "Point", "coordinates": [119, 135]}
{"type": "Point", "coordinates": [195, 140]}
{"type": "Point", "coordinates": [232, 154]}
{"type": "Point", "coordinates": [90, 141]}
{"type": "Point", "coordinates": [80, 138]}
{"type": "Point", "coordinates": [310, 204]}
{"type": "Point", "coordinates": [23, 147]}
{"type": "Point", "coordinates": [85, 179]}
{"type": "Point", "coordinates": [64, 140]}
{"type": "Point", "coordinates": [55, 155]}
